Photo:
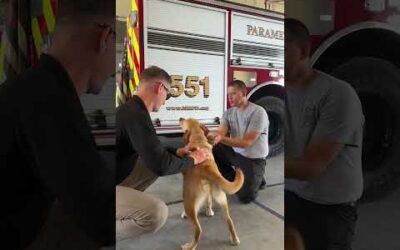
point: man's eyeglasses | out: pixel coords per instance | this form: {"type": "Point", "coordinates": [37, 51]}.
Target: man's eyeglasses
{"type": "Point", "coordinates": [104, 25]}
{"type": "Point", "coordinates": [166, 89]}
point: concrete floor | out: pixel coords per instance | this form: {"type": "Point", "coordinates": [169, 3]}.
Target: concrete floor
{"type": "Point", "coordinates": [259, 224]}
{"type": "Point", "coordinates": [378, 224]}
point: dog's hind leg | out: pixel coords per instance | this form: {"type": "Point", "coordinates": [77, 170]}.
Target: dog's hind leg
{"type": "Point", "coordinates": [183, 214]}
{"type": "Point", "coordinates": [221, 199]}
{"type": "Point", "coordinates": [209, 210]}
{"type": "Point", "coordinates": [191, 211]}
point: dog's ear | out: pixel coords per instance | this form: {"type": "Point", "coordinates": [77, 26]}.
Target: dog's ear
{"type": "Point", "coordinates": [205, 129]}
{"type": "Point", "coordinates": [181, 122]}
{"type": "Point", "coordinates": [186, 137]}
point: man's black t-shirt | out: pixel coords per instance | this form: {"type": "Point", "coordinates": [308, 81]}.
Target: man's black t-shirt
{"type": "Point", "coordinates": [136, 137]}
{"type": "Point", "coordinates": [47, 152]}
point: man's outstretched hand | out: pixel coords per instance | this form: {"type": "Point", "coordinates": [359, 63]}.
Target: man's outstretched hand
{"type": "Point", "coordinates": [199, 155]}
{"type": "Point", "coordinates": [181, 152]}
{"type": "Point", "coordinates": [214, 138]}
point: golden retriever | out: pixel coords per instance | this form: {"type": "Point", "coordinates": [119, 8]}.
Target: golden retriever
{"type": "Point", "coordinates": [205, 182]}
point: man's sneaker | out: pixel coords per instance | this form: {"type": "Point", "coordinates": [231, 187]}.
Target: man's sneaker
{"type": "Point", "coordinates": [263, 184]}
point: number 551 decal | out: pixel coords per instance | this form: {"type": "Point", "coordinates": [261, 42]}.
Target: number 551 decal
{"type": "Point", "coordinates": [191, 87]}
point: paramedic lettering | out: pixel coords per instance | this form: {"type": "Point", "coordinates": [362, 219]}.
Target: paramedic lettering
{"type": "Point", "coordinates": [267, 33]}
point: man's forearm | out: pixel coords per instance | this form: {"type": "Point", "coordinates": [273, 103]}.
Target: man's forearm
{"type": "Point", "coordinates": [234, 142]}
{"type": "Point", "coordinates": [314, 162]}
{"type": "Point", "coordinates": [300, 168]}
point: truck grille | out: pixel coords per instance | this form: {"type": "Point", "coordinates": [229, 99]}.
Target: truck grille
{"type": "Point", "coordinates": [253, 50]}
{"type": "Point", "coordinates": [186, 42]}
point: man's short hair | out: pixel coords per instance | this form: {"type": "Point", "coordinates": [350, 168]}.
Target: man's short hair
{"type": "Point", "coordinates": [154, 72]}
{"type": "Point", "coordinates": [296, 31]}
{"type": "Point", "coordinates": [86, 8]}
{"type": "Point", "coordinates": [240, 85]}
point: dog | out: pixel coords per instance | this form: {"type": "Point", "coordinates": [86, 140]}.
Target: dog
{"type": "Point", "coordinates": [205, 182]}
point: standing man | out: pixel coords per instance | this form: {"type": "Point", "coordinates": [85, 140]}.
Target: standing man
{"type": "Point", "coordinates": [137, 212]}
{"type": "Point", "coordinates": [57, 191]}
{"type": "Point", "coordinates": [322, 149]}
{"type": "Point", "coordinates": [247, 145]}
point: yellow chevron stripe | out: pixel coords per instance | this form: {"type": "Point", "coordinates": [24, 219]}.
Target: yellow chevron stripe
{"type": "Point", "coordinates": [37, 36]}
{"type": "Point", "coordinates": [134, 5]}
{"type": "Point", "coordinates": [136, 76]}
{"type": "Point", "coordinates": [128, 28]}
{"type": "Point", "coordinates": [48, 15]}
{"type": "Point", "coordinates": [132, 37]}
{"type": "Point", "coordinates": [133, 68]}
{"type": "Point", "coordinates": [136, 49]}
{"type": "Point", "coordinates": [136, 46]}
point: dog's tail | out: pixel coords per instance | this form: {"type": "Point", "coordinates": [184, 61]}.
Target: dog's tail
{"type": "Point", "coordinates": [227, 186]}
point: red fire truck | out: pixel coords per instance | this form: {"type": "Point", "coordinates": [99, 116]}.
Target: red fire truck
{"type": "Point", "coordinates": [204, 45]}
{"type": "Point", "coordinates": [357, 41]}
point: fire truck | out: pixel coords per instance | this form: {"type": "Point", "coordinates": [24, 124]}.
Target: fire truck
{"type": "Point", "coordinates": [204, 45]}
{"type": "Point", "coordinates": [357, 41]}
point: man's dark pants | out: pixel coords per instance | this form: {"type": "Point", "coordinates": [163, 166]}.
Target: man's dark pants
{"type": "Point", "coordinates": [322, 227]}
{"type": "Point", "coordinates": [253, 170]}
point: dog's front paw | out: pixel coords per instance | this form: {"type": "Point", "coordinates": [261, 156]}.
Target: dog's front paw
{"type": "Point", "coordinates": [209, 212]}
{"type": "Point", "coordinates": [183, 215]}
{"type": "Point", "coordinates": [235, 241]}
{"type": "Point", "coordinates": [188, 246]}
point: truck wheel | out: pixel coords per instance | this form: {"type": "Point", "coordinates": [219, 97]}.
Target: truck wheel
{"type": "Point", "coordinates": [377, 83]}
{"type": "Point", "coordinates": [275, 108]}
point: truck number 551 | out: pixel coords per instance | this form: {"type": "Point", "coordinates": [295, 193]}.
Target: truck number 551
{"type": "Point", "coordinates": [191, 87]}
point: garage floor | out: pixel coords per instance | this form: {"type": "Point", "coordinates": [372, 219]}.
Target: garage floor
{"type": "Point", "coordinates": [378, 224]}
{"type": "Point", "coordinates": [259, 224]}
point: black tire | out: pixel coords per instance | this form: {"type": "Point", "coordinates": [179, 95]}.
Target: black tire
{"type": "Point", "coordinates": [275, 108]}
{"type": "Point", "coordinates": [377, 83]}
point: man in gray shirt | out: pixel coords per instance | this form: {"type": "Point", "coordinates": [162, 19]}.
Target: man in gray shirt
{"type": "Point", "coordinates": [323, 143]}
{"type": "Point", "coordinates": [247, 146]}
